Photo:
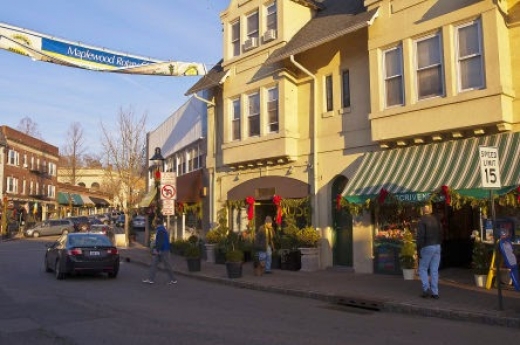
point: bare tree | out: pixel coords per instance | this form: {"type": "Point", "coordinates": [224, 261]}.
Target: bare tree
{"type": "Point", "coordinates": [123, 148]}
{"type": "Point", "coordinates": [92, 160]}
{"type": "Point", "coordinates": [72, 152]}
{"type": "Point", "coordinates": [29, 127]}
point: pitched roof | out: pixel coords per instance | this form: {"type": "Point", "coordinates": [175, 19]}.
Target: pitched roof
{"type": "Point", "coordinates": [214, 77]}
{"type": "Point", "coordinates": [338, 18]}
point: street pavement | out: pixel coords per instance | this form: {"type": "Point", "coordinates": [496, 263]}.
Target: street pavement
{"type": "Point", "coordinates": [459, 299]}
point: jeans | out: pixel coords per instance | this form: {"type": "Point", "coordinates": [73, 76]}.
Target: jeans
{"type": "Point", "coordinates": [266, 256]}
{"type": "Point", "coordinates": [163, 257]}
{"type": "Point", "coordinates": [430, 259]}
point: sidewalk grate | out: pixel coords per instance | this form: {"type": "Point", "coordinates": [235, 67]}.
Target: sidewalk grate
{"type": "Point", "coordinates": [362, 303]}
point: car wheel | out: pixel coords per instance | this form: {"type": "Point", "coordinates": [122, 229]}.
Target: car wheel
{"type": "Point", "coordinates": [36, 234]}
{"type": "Point", "coordinates": [57, 271]}
{"type": "Point", "coordinates": [46, 265]}
{"type": "Point", "coordinates": [113, 274]}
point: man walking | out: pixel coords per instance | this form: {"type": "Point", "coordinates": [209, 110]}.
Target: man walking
{"type": "Point", "coordinates": [160, 252]}
{"type": "Point", "coordinates": [264, 243]}
{"type": "Point", "coordinates": [429, 239]}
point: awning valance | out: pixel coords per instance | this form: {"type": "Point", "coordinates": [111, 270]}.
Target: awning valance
{"type": "Point", "coordinates": [419, 170]}
{"type": "Point", "coordinates": [147, 199]}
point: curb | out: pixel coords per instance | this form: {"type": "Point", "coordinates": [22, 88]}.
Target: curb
{"type": "Point", "coordinates": [492, 319]}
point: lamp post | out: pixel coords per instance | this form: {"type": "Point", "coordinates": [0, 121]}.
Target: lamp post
{"type": "Point", "coordinates": [157, 160]}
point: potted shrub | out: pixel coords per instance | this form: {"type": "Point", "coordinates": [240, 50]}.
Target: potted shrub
{"type": "Point", "coordinates": [192, 254]}
{"type": "Point", "coordinates": [308, 239]}
{"type": "Point", "coordinates": [234, 260]}
{"type": "Point", "coordinates": [479, 260]}
{"type": "Point", "coordinates": [407, 256]}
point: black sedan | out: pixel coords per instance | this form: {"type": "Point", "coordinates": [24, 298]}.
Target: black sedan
{"type": "Point", "coordinates": [76, 253]}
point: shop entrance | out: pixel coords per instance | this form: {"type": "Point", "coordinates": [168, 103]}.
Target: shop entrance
{"type": "Point", "coordinates": [342, 249]}
{"type": "Point", "coordinates": [457, 226]}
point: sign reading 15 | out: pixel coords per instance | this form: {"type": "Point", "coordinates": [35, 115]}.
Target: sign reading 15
{"type": "Point", "coordinates": [489, 167]}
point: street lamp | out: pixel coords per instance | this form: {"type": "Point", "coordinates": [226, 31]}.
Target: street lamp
{"type": "Point", "coordinates": [157, 160]}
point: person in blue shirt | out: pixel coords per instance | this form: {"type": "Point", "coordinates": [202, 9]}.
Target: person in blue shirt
{"type": "Point", "coordinates": [160, 252]}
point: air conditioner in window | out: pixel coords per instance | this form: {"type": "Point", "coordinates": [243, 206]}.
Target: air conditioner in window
{"type": "Point", "coordinates": [270, 35]}
{"type": "Point", "coordinates": [251, 43]}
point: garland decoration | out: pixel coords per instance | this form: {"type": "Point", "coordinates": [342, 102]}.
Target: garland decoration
{"type": "Point", "coordinates": [445, 190]}
{"type": "Point", "coordinates": [250, 201]}
{"type": "Point", "coordinates": [277, 200]}
{"type": "Point", "coordinates": [338, 202]}
{"type": "Point", "coordinates": [382, 196]}
{"type": "Point", "coordinates": [180, 207]}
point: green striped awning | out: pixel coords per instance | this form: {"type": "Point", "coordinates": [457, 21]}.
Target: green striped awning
{"type": "Point", "coordinates": [414, 172]}
{"type": "Point", "coordinates": [75, 199]}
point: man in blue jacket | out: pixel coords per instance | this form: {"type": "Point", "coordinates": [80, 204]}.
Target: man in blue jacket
{"type": "Point", "coordinates": [160, 252]}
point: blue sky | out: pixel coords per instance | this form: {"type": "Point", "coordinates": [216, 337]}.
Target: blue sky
{"type": "Point", "coordinates": [55, 96]}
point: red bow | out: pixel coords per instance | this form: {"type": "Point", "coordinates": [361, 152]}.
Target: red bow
{"type": "Point", "coordinates": [277, 200]}
{"type": "Point", "coordinates": [180, 207]}
{"type": "Point", "coordinates": [157, 174]}
{"type": "Point", "coordinates": [338, 202]}
{"type": "Point", "coordinates": [446, 193]}
{"type": "Point", "coordinates": [250, 207]}
{"type": "Point", "coordinates": [382, 195]}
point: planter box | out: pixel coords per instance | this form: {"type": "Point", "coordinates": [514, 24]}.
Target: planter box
{"type": "Point", "coordinates": [210, 252]}
{"type": "Point", "coordinates": [234, 269]}
{"type": "Point", "coordinates": [291, 260]}
{"type": "Point", "coordinates": [310, 259]}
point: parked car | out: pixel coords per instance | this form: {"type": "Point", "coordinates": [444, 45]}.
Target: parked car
{"type": "Point", "coordinates": [114, 215]}
{"type": "Point", "coordinates": [98, 227]}
{"type": "Point", "coordinates": [120, 221]}
{"type": "Point", "coordinates": [50, 227]}
{"type": "Point", "coordinates": [138, 222]}
{"type": "Point", "coordinates": [84, 252]}
{"type": "Point", "coordinates": [81, 223]}
{"type": "Point", "coordinates": [102, 217]}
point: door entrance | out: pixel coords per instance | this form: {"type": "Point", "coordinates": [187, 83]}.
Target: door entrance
{"type": "Point", "coordinates": [342, 248]}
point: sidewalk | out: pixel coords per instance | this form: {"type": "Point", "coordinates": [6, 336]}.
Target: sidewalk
{"type": "Point", "coordinates": [460, 298]}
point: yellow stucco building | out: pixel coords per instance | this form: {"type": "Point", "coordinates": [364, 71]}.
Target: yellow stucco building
{"type": "Point", "coordinates": [310, 93]}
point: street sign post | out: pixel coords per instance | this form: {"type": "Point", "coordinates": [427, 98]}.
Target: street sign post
{"type": "Point", "coordinates": [168, 186]}
{"type": "Point", "coordinates": [168, 207]}
{"type": "Point", "coordinates": [489, 167]}
{"type": "Point", "coordinates": [490, 175]}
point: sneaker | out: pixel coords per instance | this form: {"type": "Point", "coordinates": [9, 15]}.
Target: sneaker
{"type": "Point", "coordinates": [426, 294]}
{"type": "Point", "coordinates": [148, 281]}
{"type": "Point", "coordinates": [171, 282]}
{"type": "Point", "coordinates": [435, 296]}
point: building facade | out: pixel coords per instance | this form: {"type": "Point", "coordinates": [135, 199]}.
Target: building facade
{"type": "Point", "coordinates": [311, 96]}
{"type": "Point", "coordinates": [29, 176]}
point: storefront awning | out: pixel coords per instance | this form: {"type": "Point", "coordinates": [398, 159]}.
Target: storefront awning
{"type": "Point", "coordinates": [148, 198]}
{"type": "Point", "coordinates": [86, 200]}
{"type": "Point", "coordinates": [69, 199]}
{"type": "Point", "coordinates": [99, 202]}
{"type": "Point", "coordinates": [416, 171]}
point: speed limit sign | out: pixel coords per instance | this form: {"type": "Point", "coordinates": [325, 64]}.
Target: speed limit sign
{"type": "Point", "coordinates": [489, 167]}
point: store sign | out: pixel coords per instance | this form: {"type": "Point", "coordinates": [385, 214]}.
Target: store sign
{"type": "Point", "coordinates": [489, 167]}
{"type": "Point", "coordinates": [413, 197]}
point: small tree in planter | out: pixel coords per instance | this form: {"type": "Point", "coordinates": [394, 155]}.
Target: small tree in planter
{"type": "Point", "coordinates": [407, 255]}
{"type": "Point", "coordinates": [479, 259]}
{"type": "Point", "coordinates": [234, 260]}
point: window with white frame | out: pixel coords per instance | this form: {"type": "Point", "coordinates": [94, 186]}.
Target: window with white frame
{"type": "Point", "coordinates": [32, 163]}
{"type": "Point", "coordinates": [393, 76]}
{"type": "Point", "coordinates": [270, 17]}
{"type": "Point", "coordinates": [235, 38]}
{"type": "Point", "coordinates": [52, 169]}
{"type": "Point", "coordinates": [31, 188]}
{"type": "Point", "coordinates": [51, 191]}
{"type": "Point", "coordinates": [469, 56]}
{"type": "Point", "coordinates": [345, 88]}
{"type": "Point", "coordinates": [181, 164]}
{"type": "Point", "coordinates": [329, 100]}
{"type": "Point", "coordinates": [37, 191]}
{"type": "Point", "coordinates": [236, 119]}
{"type": "Point", "coordinates": [272, 109]}
{"type": "Point", "coordinates": [24, 187]}
{"type": "Point", "coordinates": [252, 26]}
{"type": "Point", "coordinates": [13, 158]}
{"type": "Point", "coordinates": [24, 160]}
{"type": "Point", "coordinates": [254, 114]}
{"type": "Point", "coordinates": [12, 185]}
{"type": "Point", "coordinates": [430, 82]}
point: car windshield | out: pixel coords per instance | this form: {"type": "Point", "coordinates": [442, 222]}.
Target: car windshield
{"type": "Point", "coordinates": [89, 241]}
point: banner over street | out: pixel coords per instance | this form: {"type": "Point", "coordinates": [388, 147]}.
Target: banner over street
{"type": "Point", "coordinates": [51, 49]}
